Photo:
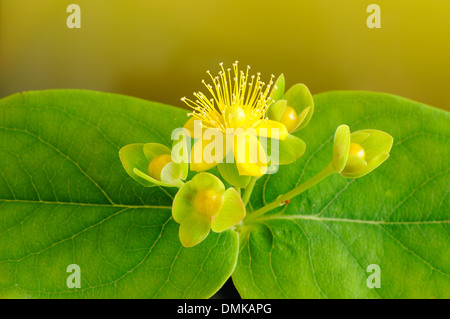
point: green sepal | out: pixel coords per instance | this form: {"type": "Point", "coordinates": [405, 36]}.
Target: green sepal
{"type": "Point", "coordinates": [154, 182]}
{"type": "Point", "coordinates": [276, 110]}
{"type": "Point", "coordinates": [182, 205]}
{"type": "Point", "coordinates": [194, 229]}
{"type": "Point", "coordinates": [341, 147]}
{"type": "Point", "coordinates": [132, 157]}
{"type": "Point", "coordinates": [230, 173]}
{"type": "Point", "coordinates": [203, 181]}
{"type": "Point", "coordinates": [181, 148]}
{"type": "Point", "coordinates": [354, 166]}
{"type": "Point", "coordinates": [231, 213]}
{"type": "Point", "coordinates": [289, 150]}
{"type": "Point", "coordinates": [299, 98]}
{"type": "Point", "coordinates": [301, 119]}
{"type": "Point", "coordinates": [172, 174]}
{"type": "Point", "coordinates": [151, 150]}
{"type": "Point", "coordinates": [278, 88]}
{"type": "Point", "coordinates": [375, 143]}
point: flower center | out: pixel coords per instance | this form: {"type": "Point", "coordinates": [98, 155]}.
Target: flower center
{"type": "Point", "coordinates": [289, 119]}
{"type": "Point", "coordinates": [236, 98]}
{"type": "Point", "coordinates": [357, 150]}
{"type": "Point", "coordinates": [157, 164]}
{"type": "Point", "coordinates": [208, 202]}
{"type": "Point", "coordinates": [235, 116]}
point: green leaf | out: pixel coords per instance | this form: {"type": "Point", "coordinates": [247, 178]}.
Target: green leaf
{"type": "Point", "coordinates": [66, 199]}
{"type": "Point", "coordinates": [321, 244]}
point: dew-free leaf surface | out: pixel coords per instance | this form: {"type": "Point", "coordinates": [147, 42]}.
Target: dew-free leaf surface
{"type": "Point", "coordinates": [397, 217]}
{"type": "Point", "coordinates": [66, 199]}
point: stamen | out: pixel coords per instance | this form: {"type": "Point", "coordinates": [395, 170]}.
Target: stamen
{"type": "Point", "coordinates": [239, 89]}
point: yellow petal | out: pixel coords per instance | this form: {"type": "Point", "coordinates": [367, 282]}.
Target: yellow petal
{"type": "Point", "coordinates": [195, 127]}
{"type": "Point", "coordinates": [271, 129]}
{"type": "Point", "coordinates": [250, 156]}
{"type": "Point", "coordinates": [208, 153]}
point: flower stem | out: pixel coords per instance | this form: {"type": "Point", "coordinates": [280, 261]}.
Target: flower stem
{"type": "Point", "coordinates": [248, 190]}
{"type": "Point", "coordinates": [327, 171]}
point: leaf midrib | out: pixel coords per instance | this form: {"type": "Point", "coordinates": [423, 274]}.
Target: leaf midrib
{"type": "Point", "coordinates": [83, 204]}
{"type": "Point", "coordinates": [347, 220]}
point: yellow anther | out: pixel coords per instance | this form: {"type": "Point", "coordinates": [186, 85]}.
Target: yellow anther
{"type": "Point", "coordinates": [232, 87]}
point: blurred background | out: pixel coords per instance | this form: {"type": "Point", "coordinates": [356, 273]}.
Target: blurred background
{"type": "Point", "coordinates": [160, 50]}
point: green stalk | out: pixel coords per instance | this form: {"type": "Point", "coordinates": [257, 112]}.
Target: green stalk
{"type": "Point", "coordinates": [327, 171]}
{"type": "Point", "coordinates": [248, 190]}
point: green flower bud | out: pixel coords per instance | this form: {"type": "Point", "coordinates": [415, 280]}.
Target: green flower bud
{"type": "Point", "coordinates": [203, 204]}
{"type": "Point", "coordinates": [151, 165]}
{"type": "Point", "coordinates": [294, 108]}
{"type": "Point", "coordinates": [359, 153]}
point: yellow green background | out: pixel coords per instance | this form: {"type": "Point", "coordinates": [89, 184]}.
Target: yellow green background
{"type": "Point", "coordinates": [160, 50]}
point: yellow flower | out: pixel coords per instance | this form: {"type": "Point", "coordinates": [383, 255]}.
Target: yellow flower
{"type": "Point", "coordinates": [236, 111]}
